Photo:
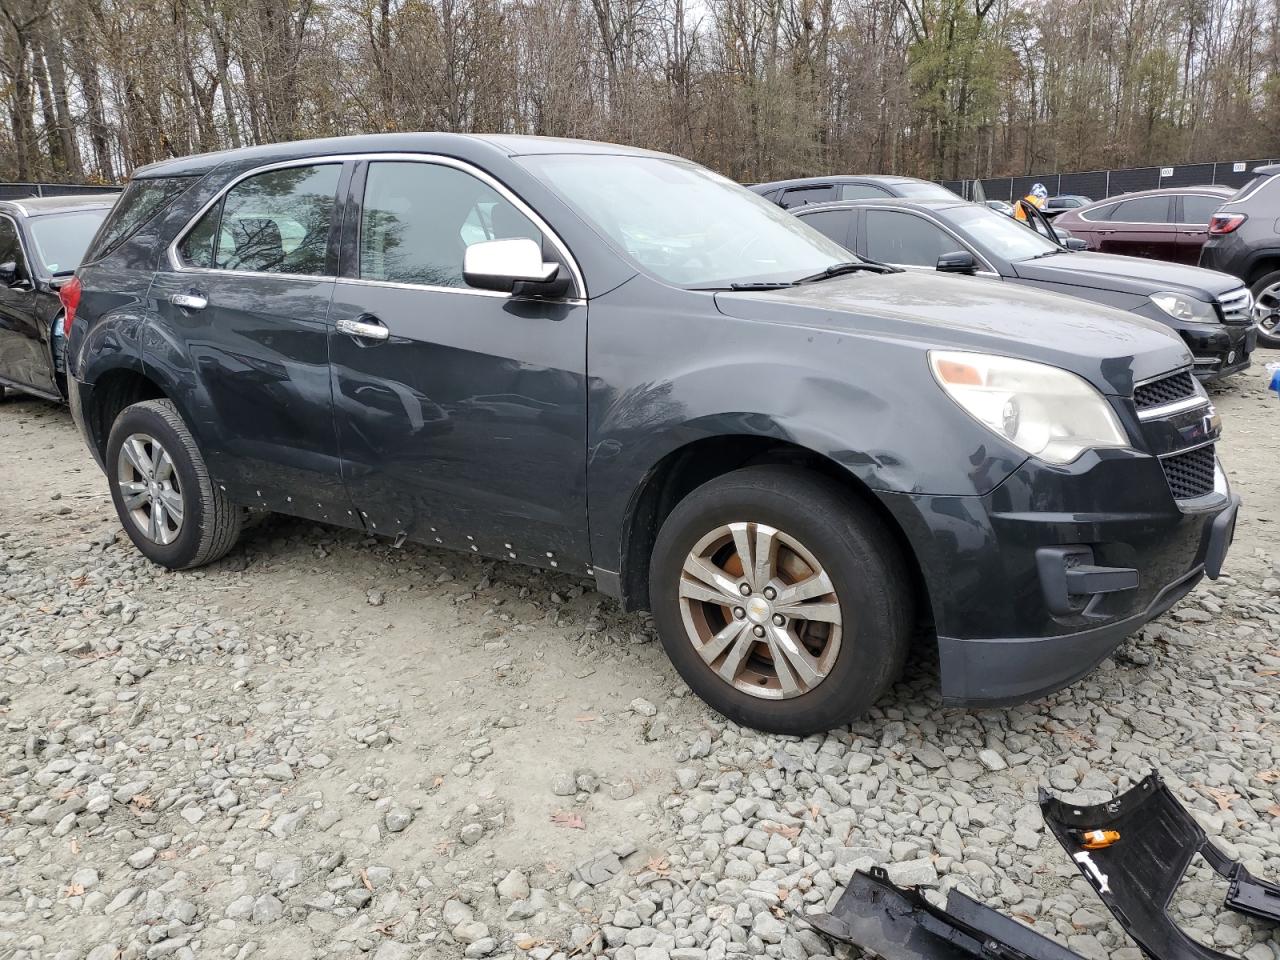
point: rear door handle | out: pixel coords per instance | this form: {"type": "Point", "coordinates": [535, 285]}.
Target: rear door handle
{"type": "Point", "coordinates": [189, 301]}
{"type": "Point", "coordinates": [366, 328]}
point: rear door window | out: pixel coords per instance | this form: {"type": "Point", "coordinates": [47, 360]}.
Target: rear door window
{"type": "Point", "coordinates": [1198, 208]}
{"type": "Point", "coordinates": [274, 222]}
{"type": "Point", "coordinates": [832, 224]}
{"type": "Point", "coordinates": [1142, 210]}
{"type": "Point", "coordinates": [799, 196]}
{"type": "Point", "coordinates": [904, 238]}
{"type": "Point", "coordinates": [142, 199]}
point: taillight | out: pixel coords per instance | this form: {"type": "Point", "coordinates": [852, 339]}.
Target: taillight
{"type": "Point", "coordinates": [1221, 223]}
{"type": "Point", "coordinates": [69, 294]}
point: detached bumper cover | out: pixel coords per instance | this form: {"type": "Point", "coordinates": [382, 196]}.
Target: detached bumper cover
{"type": "Point", "coordinates": [1137, 875]}
{"type": "Point", "coordinates": [899, 924]}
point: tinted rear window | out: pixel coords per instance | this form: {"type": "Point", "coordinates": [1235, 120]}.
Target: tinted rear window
{"type": "Point", "coordinates": [60, 238]}
{"type": "Point", "coordinates": [141, 200]}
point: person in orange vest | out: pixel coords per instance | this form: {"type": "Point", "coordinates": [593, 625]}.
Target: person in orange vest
{"type": "Point", "coordinates": [1038, 196]}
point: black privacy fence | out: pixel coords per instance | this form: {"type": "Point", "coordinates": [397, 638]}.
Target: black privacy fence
{"type": "Point", "coordinates": [1099, 184]}
{"type": "Point", "coordinates": [24, 191]}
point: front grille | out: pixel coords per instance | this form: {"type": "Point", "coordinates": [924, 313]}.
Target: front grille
{"type": "Point", "coordinates": [1190, 474]}
{"type": "Point", "coordinates": [1170, 389]}
{"type": "Point", "coordinates": [1237, 306]}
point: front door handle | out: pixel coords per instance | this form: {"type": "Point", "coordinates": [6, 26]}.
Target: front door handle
{"type": "Point", "coordinates": [368, 328]}
{"type": "Point", "coordinates": [189, 301]}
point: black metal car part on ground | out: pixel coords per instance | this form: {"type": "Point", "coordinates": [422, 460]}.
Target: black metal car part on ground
{"type": "Point", "coordinates": [897, 924]}
{"type": "Point", "coordinates": [1137, 875]}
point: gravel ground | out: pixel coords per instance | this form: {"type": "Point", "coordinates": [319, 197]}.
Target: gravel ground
{"type": "Point", "coordinates": [326, 746]}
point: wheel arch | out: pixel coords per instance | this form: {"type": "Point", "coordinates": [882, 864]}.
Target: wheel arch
{"type": "Point", "coordinates": [689, 466]}
{"type": "Point", "coordinates": [113, 390]}
{"type": "Point", "coordinates": [1263, 263]}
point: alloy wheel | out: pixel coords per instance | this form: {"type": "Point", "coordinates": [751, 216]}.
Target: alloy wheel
{"type": "Point", "coordinates": [760, 610]}
{"type": "Point", "coordinates": [150, 488]}
{"type": "Point", "coordinates": [1266, 310]}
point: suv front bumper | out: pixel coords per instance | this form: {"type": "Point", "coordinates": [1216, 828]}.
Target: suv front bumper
{"type": "Point", "coordinates": [1001, 570]}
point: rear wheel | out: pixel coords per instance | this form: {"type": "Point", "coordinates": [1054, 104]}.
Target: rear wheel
{"type": "Point", "coordinates": [782, 601]}
{"type": "Point", "coordinates": [1266, 309]}
{"type": "Point", "coordinates": [171, 509]}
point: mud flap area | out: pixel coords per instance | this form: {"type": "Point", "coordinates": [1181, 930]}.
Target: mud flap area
{"type": "Point", "coordinates": [1135, 850]}
{"type": "Point", "coordinates": [899, 924]}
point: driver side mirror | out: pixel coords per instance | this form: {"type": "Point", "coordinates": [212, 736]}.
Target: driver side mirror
{"type": "Point", "coordinates": [1075, 243]}
{"type": "Point", "coordinates": [513, 266]}
{"type": "Point", "coordinates": [8, 273]}
{"type": "Point", "coordinates": [961, 261]}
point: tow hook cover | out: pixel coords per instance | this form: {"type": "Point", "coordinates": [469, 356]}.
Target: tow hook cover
{"type": "Point", "coordinates": [900, 924]}
{"type": "Point", "coordinates": [1137, 874]}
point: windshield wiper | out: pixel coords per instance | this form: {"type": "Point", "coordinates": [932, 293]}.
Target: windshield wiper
{"type": "Point", "coordinates": [762, 285]}
{"type": "Point", "coordinates": [1047, 253]}
{"type": "Point", "coordinates": [849, 266]}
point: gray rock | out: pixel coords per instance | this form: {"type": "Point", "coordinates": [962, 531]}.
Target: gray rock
{"type": "Point", "coordinates": [397, 818]}
{"type": "Point", "coordinates": [267, 909]}
{"type": "Point", "coordinates": [514, 886]}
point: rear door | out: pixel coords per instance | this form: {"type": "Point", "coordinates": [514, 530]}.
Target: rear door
{"type": "Point", "coordinates": [245, 296]}
{"type": "Point", "coordinates": [1194, 211]}
{"type": "Point", "coordinates": [1141, 227]}
{"type": "Point", "coordinates": [22, 349]}
{"type": "Point", "coordinates": [464, 424]}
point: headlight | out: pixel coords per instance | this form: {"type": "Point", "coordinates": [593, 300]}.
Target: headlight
{"type": "Point", "coordinates": [1044, 410]}
{"type": "Point", "coordinates": [1185, 308]}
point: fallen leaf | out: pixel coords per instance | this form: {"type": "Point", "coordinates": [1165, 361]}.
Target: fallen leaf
{"type": "Point", "coordinates": [167, 855]}
{"type": "Point", "coordinates": [562, 818]}
{"type": "Point", "coordinates": [1269, 776]}
{"type": "Point", "coordinates": [75, 890]}
{"type": "Point", "coordinates": [437, 782]}
{"type": "Point", "coordinates": [659, 865]}
{"type": "Point", "coordinates": [75, 845]}
{"type": "Point", "coordinates": [364, 878]}
{"type": "Point", "coordinates": [1274, 810]}
{"type": "Point", "coordinates": [142, 801]}
{"type": "Point", "coordinates": [783, 831]}
{"type": "Point", "coordinates": [586, 718]}
{"type": "Point", "coordinates": [1222, 798]}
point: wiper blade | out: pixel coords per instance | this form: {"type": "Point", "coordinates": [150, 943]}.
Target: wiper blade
{"type": "Point", "coordinates": [762, 285]}
{"type": "Point", "coordinates": [840, 269]}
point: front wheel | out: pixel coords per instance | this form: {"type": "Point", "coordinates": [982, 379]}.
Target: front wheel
{"type": "Point", "coordinates": [173, 512]}
{"type": "Point", "coordinates": [1266, 309]}
{"type": "Point", "coordinates": [782, 600]}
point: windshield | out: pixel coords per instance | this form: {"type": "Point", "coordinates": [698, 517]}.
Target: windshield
{"type": "Point", "coordinates": [683, 223]}
{"type": "Point", "coordinates": [1000, 234]}
{"type": "Point", "coordinates": [924, 190]}
{"type": "Point", "coordinates": [61, 238]}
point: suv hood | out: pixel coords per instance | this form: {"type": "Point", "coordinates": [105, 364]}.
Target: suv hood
{"type": "Point", "coordinates": [1107, 271]}
{"type": "Point", "coordinates": [1109, 348]}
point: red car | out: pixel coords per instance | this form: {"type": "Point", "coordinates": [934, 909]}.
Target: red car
{"type": "Point", "coordinates": [1170, 224]}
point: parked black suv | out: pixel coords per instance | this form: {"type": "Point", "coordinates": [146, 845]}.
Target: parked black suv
{"type": "Point", "coordinates": [1244, 240]}
{"type": "Point", "coordinates": [618, 364]}
{"type": "Point", "coordinates": [1211, 311]}
{"type": "Point", "coordinates": [41, 242]}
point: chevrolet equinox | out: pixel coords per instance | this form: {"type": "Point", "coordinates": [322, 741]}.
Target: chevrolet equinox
{"type": "Point", "coordinates": [617, 364]}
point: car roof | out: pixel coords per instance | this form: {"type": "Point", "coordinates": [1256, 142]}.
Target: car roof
{"type": "Point", "coordinates": [1267, 169]}
{"type": "Point", "coordinates": [887, 179]}
{"type": "Point", "coordinates": [904, 202]}
{"type": "Point", "coordinates": [446, 143]}
{"type": "Point", "coordinates": [1215, 188]}
{"type": "Point", "coordinates": [40, 206]}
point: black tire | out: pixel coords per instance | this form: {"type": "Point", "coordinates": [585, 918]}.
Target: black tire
{"type": "Point", "coordinates": [210, 522]}
{"type": "Point", "coordinates": [1265, 339]}
{"type": "Point", "coordinates": [851, 543]}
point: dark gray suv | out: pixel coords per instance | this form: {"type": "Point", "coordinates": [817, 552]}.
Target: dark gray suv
{"type": "Point", "coordinates": [619, 365]}
{"type": "Point", "coordinates": [1244, 240]}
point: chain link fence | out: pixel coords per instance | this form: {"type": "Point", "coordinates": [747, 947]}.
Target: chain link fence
{"type": "Point", "coordinates": [1100, 184]}
{"type": "Point", "coordinates": [24, 191]}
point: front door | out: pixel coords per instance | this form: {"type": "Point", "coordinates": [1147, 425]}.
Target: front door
{"type": "Point", "coordinates": [247, 331]}
{"type": "Point", "coordinates": [22, 348]}
{"type": "Point", "coordinates": [462, 419]}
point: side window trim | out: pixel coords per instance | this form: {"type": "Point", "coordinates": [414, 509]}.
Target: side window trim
{"type": "Point", "coordinates": [349, 268]}
{"type": "Point", "coordinates": [175, 260]}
